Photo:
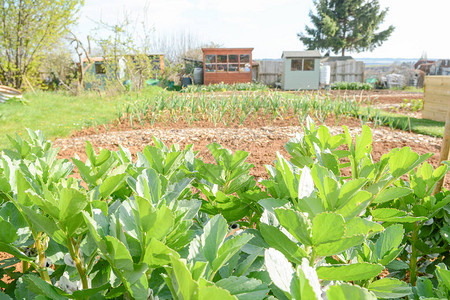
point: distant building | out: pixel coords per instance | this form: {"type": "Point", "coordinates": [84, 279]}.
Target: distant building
{"type": "Point", "coordinates": [227, 65]}
{"type": "Point", "coordinates": [99, 70]}
{"type": "Point", "coordinates": [301, 70]}
{"type": "Point", "coordinates": [440, 67]}
{"type": "Point", "coordinates": [424, 65]}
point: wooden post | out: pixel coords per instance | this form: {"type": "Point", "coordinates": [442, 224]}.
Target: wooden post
{"type": "Point", "coordinates": [444, 150]}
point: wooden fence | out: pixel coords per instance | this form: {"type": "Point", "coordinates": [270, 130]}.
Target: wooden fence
{"type": "Point", "coordinates": [346, 71]}
{"type": "Point", "coordinates": [268, 72]}
{"type": "Point", "coordinates": [436, 98]}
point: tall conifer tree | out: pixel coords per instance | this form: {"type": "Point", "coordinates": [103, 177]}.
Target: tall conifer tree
{"type": "Point", "coordinates": [346, 25]}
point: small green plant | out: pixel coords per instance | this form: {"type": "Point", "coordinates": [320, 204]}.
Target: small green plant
{"type": "Point", "coordinates": [351, 86]}
{"type": "Point", "coordinates": [223, 87]}
{"type": "Point", "coordinates": [414, 105]}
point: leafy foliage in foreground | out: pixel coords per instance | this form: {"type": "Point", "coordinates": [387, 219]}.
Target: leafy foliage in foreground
{"type": "Point", "coordinates": [328, 223]}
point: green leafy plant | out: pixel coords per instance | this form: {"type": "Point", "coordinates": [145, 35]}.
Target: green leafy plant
{"type": "Point", "coordinates": [328, 222]}
{"type": "Point", "coordinates": [351, 86]}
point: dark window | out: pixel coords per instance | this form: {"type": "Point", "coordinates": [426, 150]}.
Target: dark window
{"type": "Point", "coordinates": [100, 68]}
{"type": "Point", "coordinates": [233, 67]}
{"type": "Point", "coordinates": [210, 67]}
{"type": "Point", "coordinates": [210, 59]}
{"type": "Point", "coordinates": [233, 58]}
{"type": "Point", "coordinates": [308, 64]}
{"type": "Point", "coordinates": [245, 58]}
{"type": "Point", "coordinates": [221, 67]}
{"type": "Point", "coordinates": [222, 59]}
{"type": "Point", "coordinates": [296, 65]}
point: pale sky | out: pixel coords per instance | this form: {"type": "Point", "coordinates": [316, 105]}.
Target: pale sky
{"type": "Point", "coordinates": [271, 26]}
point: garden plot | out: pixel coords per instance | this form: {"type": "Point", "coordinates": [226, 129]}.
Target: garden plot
{"type": "Point", "coordinates": [261, 142]}
{"type": "Point", "coordinates": [255, 121]}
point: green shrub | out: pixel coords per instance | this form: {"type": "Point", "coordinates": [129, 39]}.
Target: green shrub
{"type": "Point", "coordinates": [351, 86]}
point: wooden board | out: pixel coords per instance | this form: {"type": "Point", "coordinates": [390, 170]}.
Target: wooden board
{"type": "Point", "coordinates": [436, 97]}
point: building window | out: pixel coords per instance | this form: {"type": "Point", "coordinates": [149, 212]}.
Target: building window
{"type": "Point", "coordinates": [210, 68]}
{"type": "Point", "coordinates": [100, 68]}
{"type": "Point", "coordinates": [296, 65]}
{"type": "Point", "coordinates": [221, 67]}
{"type": "Point", "coordinates": [233, 58]}
{"type": "Point", "coordinates": [221, 59]}
{"type": "Point", "coordinates": [228, 63]}
{"type": "Point", "coordinates": [299, 64]}
{"type": "Point", "coordinates": [210, 59]}
{"type": "Point", "coordinates": [233, 67]}
{"type": "Point", "coordinates": [245, 58]}
{"type": "Point", "coordinates": [308, 64]}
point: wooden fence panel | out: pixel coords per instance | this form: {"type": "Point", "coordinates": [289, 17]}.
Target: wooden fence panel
{"type": "Point", "coordinates": [269, 72]}
{"type": "Point", "coordinates": [346, 71]}
{"type": "Point", "coordinates": [436, 98]}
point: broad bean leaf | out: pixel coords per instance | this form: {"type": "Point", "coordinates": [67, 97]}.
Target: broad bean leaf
{"type": "Point", "coordinates": [351, 272]}
{"type": "Point", "coordinates": [389, 240]}
{"type": "Point", "coordinates": [279, 268]}
{"type": "Point", "coordinates": [296, 223]}
{"type": "Point", "coordinates": [244, 288]}
{"type": "Point", "coordinates": [388, 288]}
{"type": "Point", "coordinates": [394, 215]}
{"type": "Point", "coordinates": [327, 227]}
{"type": "Point", "coordinates": [392, 193]}
{"type": "Point", "coordinates": [348, 291]}
{"type": "Point", "coordinates": [279, 241]}
{"type": "Point", "coordinates": [336, 247]}
{"type": "Point", "coordinates": [8, 232]}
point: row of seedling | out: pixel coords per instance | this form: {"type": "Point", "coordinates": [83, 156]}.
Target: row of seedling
{"type": "Point", "coordinates": [227, 109]}
{"type": "Point", "coordinates": [224, 87]}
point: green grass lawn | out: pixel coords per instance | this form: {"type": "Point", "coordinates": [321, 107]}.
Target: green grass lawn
{"type": "Point", "coordinates": [58, 114]}
{"type": "Point", "coordinates": [400, 121]}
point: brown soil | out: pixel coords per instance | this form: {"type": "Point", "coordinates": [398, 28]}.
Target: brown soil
{"type": "Point", "coordinates": [260, 136]}
{"type": "Point", "coordinates": [17, 266]}
{"type": "Point", "coordinates": [235, 136]}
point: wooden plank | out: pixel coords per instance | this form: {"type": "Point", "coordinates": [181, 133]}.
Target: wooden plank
{"type": "Point", "coordinates": [437, 80]}
{"type": "Point", "coordinates": [435, 108]}
{"type": "Point", "coordinates": [436, 100]}
{"type": "Point", "coordinates": [433, 116]}
{"type": "Point", "coordinates": [437, 90]}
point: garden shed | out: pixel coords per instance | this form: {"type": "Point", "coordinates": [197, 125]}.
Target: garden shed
{"type": "Point", "coordinates": [227, 65]}
{"type": "Point", "coordinates": [301, 70]}
{"type": "Point", "coordinates": [99, 70]}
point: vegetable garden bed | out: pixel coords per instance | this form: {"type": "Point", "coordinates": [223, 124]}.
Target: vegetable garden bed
{"type": "Point", "coordinates": [167, 224]}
